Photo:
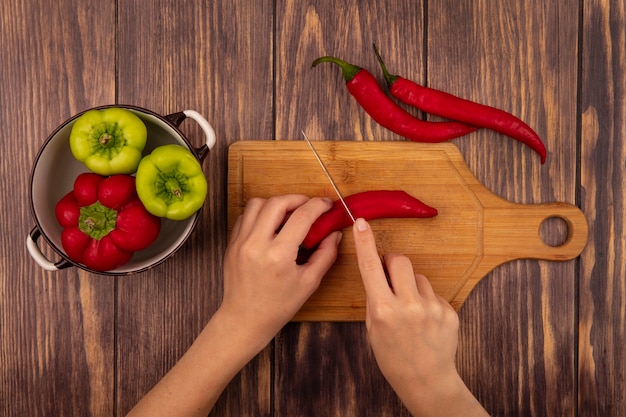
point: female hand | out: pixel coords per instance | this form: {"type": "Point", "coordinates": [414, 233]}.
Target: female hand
{"type": "Point", "coordinates": [413, 333]}
{"type": "Point", "coordinates": [264, 287]}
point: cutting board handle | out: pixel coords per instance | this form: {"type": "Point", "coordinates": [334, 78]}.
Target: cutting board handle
{"type": "Point", "coordinates": [514, 231]}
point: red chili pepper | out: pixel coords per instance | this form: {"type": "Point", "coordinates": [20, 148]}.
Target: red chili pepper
{"type": "Point", "coordinates": [365, 88]}
{"type": "Point", "coordinates": [370, 205]}
{"type": "Point", "coordinates": [446, 105]}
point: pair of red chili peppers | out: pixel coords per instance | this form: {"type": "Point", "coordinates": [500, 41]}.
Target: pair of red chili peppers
{"type": "Point", "coordinates": [467, 115]}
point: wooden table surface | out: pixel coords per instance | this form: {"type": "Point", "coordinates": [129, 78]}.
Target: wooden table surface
{"type": "Point", "coordinates": [536, 338]}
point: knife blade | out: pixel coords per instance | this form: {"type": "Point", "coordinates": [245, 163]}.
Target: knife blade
{"type": "Point", "coordinates": [330, 178]}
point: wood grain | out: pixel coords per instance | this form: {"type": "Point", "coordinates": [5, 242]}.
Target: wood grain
{"type": "Point", "coordinates": [308, 30]}
{"type": "Point", "coordinates": [56, 329]}
{"type": "Point", "coordinates": [328, 369]}
{"type": "Point", "coordinates": [536, 338]}
{"type": "Point", "coordinates": [333, 368]}
{"type": "Point", "coordinates": [602, 317]}
{"type": "Point", "coordinates": [214, 58]}
{"type": "Point", "coordinates": [518, 325]}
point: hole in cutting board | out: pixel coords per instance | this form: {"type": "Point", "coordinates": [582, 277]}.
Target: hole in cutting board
{"type": "Point", "coordinates": [554, 231]}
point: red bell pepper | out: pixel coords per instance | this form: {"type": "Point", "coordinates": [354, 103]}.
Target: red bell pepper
{"type": "Point", "coordinates": [104, 221]}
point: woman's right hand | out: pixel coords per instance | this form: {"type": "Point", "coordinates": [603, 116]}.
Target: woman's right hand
{"type": "Point", "coordinates": [413, 333]}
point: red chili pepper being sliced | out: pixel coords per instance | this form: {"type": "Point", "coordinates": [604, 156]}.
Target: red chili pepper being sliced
{"type": "Point", "coordinates": [365, 89]}
{"type": "Point", "coordinates": [446, 105]}
{"type": "Point", "coordinates": [369, 205]}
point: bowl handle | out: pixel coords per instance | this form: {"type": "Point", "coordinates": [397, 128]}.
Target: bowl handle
{"type": "Point", "coordinates": [177, 118]}
{"type": "Point", "coordinates": [39, 257]}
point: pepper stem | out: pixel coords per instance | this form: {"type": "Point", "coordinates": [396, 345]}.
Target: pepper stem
{"type": "Point", "coordinates": [97, 220]}
{"type": "Point", "coordinates": [105, 139]}
{"type": "Point", "coordinates": [349, 70]}
{"type": "Point", "coordinates": [173, 187]}
{"type": "Point", "coordinates": [389, 77]}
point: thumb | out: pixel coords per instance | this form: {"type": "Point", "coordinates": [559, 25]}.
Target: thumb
{"type": "Point", "coordinates": [324, 257]}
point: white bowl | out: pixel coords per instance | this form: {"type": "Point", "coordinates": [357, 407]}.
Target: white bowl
{"type": "Point", "coordinates": [55, 169]}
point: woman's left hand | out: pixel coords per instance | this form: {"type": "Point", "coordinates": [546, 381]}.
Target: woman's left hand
{"type": "Point", "coordinates": [264, 287]}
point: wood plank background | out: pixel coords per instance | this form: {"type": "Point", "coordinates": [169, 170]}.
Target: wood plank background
{"type": "Point", "coordinates": [537, 338]}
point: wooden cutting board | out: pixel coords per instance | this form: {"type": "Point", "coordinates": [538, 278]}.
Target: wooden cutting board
{"type": "Point", "coordinates": [474, 232]}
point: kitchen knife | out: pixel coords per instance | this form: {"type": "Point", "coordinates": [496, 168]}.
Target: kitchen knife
{"type": "Point", "coordinates": [330, 178]}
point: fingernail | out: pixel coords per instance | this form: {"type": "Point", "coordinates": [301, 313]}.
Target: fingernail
{"type": "Point", "coordinates": [360, 224]}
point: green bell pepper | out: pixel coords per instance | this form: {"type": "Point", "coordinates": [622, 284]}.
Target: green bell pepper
{"type": "Point", "coordinates": [109, 141]}
{"type": "Point", "coordinates": [170, 182]}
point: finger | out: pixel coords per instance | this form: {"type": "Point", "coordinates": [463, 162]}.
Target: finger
{"type": "Point", "coordinates": [250, 215]}
{"type": "Point", "coordinates": [424, 287]}
{"type": "Point", "coordinates": [401, 275]}
{"type": "Point", "coordinates": [370, 266]}
{"type": "Point", "coordinates": [448, 316]}
{"type": "Point", "coordinates": [297, 226]}
{"type": "Point", "coordinates": [445, 302]}
{"type": "Point", "coordinates": [276, 209]}
{"type": "Point", "coordinates": [323, 258]}
{"type": "Point", "coordinates": [236, 227]}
